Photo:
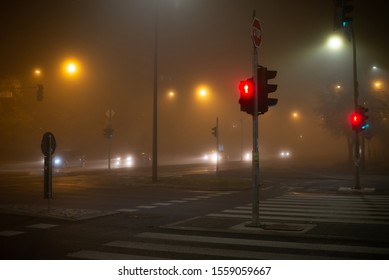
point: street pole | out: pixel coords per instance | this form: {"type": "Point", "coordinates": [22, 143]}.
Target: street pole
{"type": "Point", "coordinates": [217, 147]}
{"type": "Point", "coordinates": [109, 138]}
{"type": "Point", "coordinates": [155, 101]}
{"type": "Point", "coordinates": [255, 152]}
{"type": "Point", "coordinates": [241, 139]}
{"type": "Point", "coordinates": [356, 95]}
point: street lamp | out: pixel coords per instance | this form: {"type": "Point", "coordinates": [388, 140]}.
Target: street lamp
{"type": "Point", "coordinates": [154, 158]}
{"type": "Point", "coordinates": [335, 42]}
{"type": "Point", "coordinates": [377, 85]}
{"type": "Point", "coordinates": [202, 93]}
{"type": "Point", "coordinates": [37, 72]}
{"type": "Point", "coordinates": [171, 94]}
{"type": "Point", "coordinates": [295, 115]}
{"type": "Point", "coordinates": [71, 68]}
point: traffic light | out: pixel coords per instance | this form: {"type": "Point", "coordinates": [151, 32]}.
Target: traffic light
{"type": "Point", "coordinates": [343, 8]}
{"type": "Point", "coordinates": [246, 100]}
{"type": "Point", "coordinates": [39, 93]}
{"type": "Point", "coordinates": [363, 111]}
{"type": "Point", "coordinates": [214, 131]}
{"type": "Point", "coordinates": [356, 120]}
{"type": "Point", "coordinates": [108, 132]}
{"type": "Point", "coordinates": [264, 88]}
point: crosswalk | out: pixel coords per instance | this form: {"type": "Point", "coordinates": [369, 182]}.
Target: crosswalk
{"type": "Point", "coordinates": [367, 209]}
{"type": "Point", "coordinates": [196, 196]}
{"type": "Point", "coordinates": [162, 245]}
{"type": "Point", "coordinates": [170, 243]}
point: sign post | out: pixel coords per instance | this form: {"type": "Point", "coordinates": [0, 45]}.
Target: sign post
{"type": "Point", "coordinates": [48, 146]}
{"type": "Point", "coordinates": [256, 38]}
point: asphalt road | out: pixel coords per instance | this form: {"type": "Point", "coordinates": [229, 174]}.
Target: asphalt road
{"type": "Point", "coordinates": [193, 213]}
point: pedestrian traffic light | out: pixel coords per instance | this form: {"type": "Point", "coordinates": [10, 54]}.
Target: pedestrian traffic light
{"type": "Point", "coordinates": [343, 8]}
{"type": "Point", "coordinates": [356, 120]}
{"type": "Point", "coordinates": [264, 88]}
{"type": "Point", "coordinates": [246, 100]}
{"type": "Point", "coordinates": [39, 93]}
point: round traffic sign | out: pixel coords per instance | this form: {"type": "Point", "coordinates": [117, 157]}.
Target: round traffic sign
{"type": "Point", "coordinates": [48, 144]}
{"type": "Point", "coordinates": [256, 32]}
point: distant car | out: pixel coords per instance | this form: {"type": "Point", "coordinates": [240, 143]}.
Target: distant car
{"type": "Point", "coordinates": [68, 158]}
{"type": "Point", "coordinates": [285, 154]}
{"type": "Point", "coordinates": [126, 161]}
{"type": "Point", "coordinates": [214, 156]}
{"type": "Point", "coordinates": [130, 160]}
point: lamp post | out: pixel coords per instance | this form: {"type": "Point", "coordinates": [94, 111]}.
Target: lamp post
{"type": "Point", "coordinates": [155, 100]}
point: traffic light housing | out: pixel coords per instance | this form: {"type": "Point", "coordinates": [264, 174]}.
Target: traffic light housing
{"type": "Point", "coordinates": [343, 8]}
{"type": "Point", "coordinates": [356, 120]}
{"type": "Point", "coordinates": [108, 132]}
{"type": "Point", "coordinates": [39, 93]}
{"type": "Point", "coordinates": [363, 111]}
{"type": "Point", "coordinates": [246, 100]}
{"type": "Point", "coordinates": [264, 88]}
{"type": "Point", "coordinates": [214, 131]}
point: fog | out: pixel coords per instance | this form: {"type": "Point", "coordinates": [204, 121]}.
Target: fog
{"type": "Point", "coordinates": [201, 43]}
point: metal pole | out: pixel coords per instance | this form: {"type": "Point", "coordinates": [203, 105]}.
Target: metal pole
{"type": "Point", "coordinates": [109, 138]}
{"type": "Point", "coordinates": [255, 153]}
{"type": "Point", "coordinates": [217, 146]}
{"type": "Point", "coordinates": [49, 173]}
{"type": "Point", "coordinates": [356, 95]}
{"type": "Point", "coordinates": [155, 101]}
{"type": "Point", "coordinates": [109, 153]}
{"type": "Point", "coordinates": [241, 139]}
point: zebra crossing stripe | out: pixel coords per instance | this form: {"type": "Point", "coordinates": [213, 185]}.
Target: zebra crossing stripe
{"type": "Point", "coordinates": [97, 255]}
{"type": "Point", "coordinates": [266, 243]}
{"type": "Point", "coordinates": [344, 204]}
{"type": "Point", "coordinates": [340, 197]}
{"type": "Point", "coordinates": [303, 209]}
{"type": "Point", "coordinates": [301, 219]}
{"type": "Point", "coordinates": [9, 233]}
{"type": "Point", "coordinates": [205, 251]}
{"type": "Point", "coordinates": [311, 213]}
{"type": "Point", "coordinates": [318, 208]}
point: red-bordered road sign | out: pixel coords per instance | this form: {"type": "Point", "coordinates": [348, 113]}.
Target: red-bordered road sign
{"type": "Point", "coordinates": [256, 32]}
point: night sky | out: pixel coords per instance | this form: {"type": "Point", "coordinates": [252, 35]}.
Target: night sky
{"type": "Point", "coordinates": [200, 43]}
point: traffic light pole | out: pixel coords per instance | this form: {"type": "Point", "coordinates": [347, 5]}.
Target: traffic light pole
{"type": "Point", "coordinates": [356, 106]}
{"type": "Point", "coordinates": [217, 147]}
{"type": "Point", "coordinates": [255, 152]}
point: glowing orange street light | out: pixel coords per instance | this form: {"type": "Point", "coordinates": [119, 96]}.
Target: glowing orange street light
{"type": "Point", "coordinates": [71, 67]}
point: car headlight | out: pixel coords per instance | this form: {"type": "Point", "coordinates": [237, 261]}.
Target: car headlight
{"type": "Point", "coordinates": [57, 161]}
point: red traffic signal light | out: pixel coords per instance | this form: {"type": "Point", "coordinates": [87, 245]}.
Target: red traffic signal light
{"type": "Point", "coordinates": [246, 88]}
{"type": "Point", "coordinates": [246, 100]}
{"type": "Point", "coordinates": [356, 120]}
